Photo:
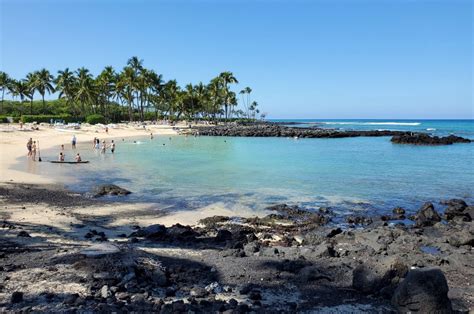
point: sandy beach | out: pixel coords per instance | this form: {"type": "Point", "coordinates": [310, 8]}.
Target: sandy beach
{"type": "Point", "coordinates": [60, 250]}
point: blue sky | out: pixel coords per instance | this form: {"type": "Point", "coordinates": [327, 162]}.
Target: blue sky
{"type": "Point", "coordinates": [303, 59]}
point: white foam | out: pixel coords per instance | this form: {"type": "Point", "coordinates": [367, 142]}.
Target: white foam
{"type": "Point", "coordinates": [430, 129]}
{"type": "Point", "coordinates": [375, 123]}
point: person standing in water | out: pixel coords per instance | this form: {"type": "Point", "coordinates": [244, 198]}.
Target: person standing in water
{"type": "Point", "coordinates": [33, 151]}
{"type": "Point", "coordinates": [104, 147]}
{"type": "Point", "coordinates": [112, 147]}
{"type": "Point", "coordinates": [29, 146]}
{"type": "Point", "coordinates": [73, 142]}
{"type": "Point", "coordinates": [151, 135]}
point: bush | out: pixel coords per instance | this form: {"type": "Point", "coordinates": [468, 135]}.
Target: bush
{"type": "Point", "coordinates": [3, 119]}
{"type": "Point", "coordinates": [95, 118]}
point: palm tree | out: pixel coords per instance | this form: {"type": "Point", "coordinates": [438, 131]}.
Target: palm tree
{"type": "Point", "coordinates": [227, 78]}
{"type": "Point", "coordinates": [215, 96]}
{"type": "Point", "coordinates": [66, 84]}
{"type": "Point", "coordinates": [21, 89]}
{"type": "Point", "coordinates": [125, 90]}
{"type": "Point", "coordinates": [32, 82]}
{"type": "Point", "coordinates": [246, 102]}
{"type": "Point", "coordinates": [85, 90]}
{"type": "Point", "coordinates": [44, 84]}
{"type": "Point", "coordinates": [106, 85]}
{"type": "Point", "coordinates": [4, 84]}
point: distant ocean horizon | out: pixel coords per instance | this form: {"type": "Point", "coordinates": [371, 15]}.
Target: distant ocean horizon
{"type": "Point", "coordinates": [364, 175]}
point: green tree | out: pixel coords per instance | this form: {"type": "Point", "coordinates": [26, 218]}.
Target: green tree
{"type": "Point", "coordinates": [5, 82]}
{"type": "Point", "coordinates": [85, 90]}
{"type": "Point", "coordinates": [32, 82]}
{"type": "Point", "coordinates": [66, 85]}
{"type": "Point", "coordinates": [44, 83]}
{"type": "Point", "coordinates": [22, 90]}
{"type": "Point", "coordinates": [227, 78]}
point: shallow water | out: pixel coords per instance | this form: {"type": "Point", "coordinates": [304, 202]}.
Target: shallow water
{"type": "Point", "coordinates": [364, 175]}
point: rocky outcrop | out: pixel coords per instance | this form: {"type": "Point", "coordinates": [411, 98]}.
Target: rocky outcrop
{"type": "Point", "coordinates": [423, 290]}
{"type": "Point", "coordinates": [458, 209]}
{"type": "Point", "coordinates": [427, 216]}
{"type": "Point", "coordinates": [426, 139]}
{"type": "Point", "coordinates": [375, 278]}
{"type": "Point", "coordinates": [275, 130]}
{"type": "Point", "coordinates": [110, 189]}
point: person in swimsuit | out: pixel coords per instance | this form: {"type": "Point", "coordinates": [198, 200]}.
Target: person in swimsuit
{"type": "Point", "coordinates": [33, 151]}
{"type": "Point", "coordinates": [78, 158]}
{"type": "Point", "coordinates": [29, 145]}
{"type": "Point", "coordinates": [112, 147]}
{"type": "Point", "coordinates": [61, 156]}
{"type": "Point", "coordinates": [103, 148]}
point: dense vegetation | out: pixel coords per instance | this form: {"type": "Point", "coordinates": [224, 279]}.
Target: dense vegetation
{"type": "Point", "coordinates": [135, 93]}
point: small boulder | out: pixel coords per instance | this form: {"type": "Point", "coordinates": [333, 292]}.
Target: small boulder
{"type": "Point", "coordinates": [23, 234]}
{"type": "Point", "coordinates": [398, 211]}
{"type": "Point", "coordinates": [423, 290]}
{"type": "Point", "coordinates": [427, 216]}
{"type": "Point", "coordinates": [371, 278]}
{"type": "Point", "coordinates": [16, 297]}
{"type": "Point", "coordinates": [110, 189]}
{"type": "Point", "coordinates": [152, 231]}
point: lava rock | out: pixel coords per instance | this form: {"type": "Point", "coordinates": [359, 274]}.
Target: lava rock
{"type": "Point", "coordinates": [110, 189]}
{"type": "Point", "coordinates": [426, 139]}
{"type": "Point", "coordinates": [23, 234]}
{"type": "Point", "coordinates": [423, 290]}
{"type": "Point", "coordinates": [16, 297]}
{"type": "Point", "coordinates": [370, 278]}
{"type": "Point", "coordinates": [427, 216]}
{"type": "Point", "coordinates": [152, 231]}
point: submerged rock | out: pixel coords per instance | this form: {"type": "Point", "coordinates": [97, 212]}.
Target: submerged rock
{"type": "Point", "coordinates": [423, 290]}
{"type": "Point", "coordinates": [110, 189]}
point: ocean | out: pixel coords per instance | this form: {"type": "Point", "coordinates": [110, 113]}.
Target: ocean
{"type": "Point", "coordinates": [364, 175]}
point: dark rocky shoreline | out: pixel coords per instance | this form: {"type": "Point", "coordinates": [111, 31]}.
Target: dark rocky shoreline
{"type": "Point", "coordinates": [291, 260]}
{"type": "Point", "coordinates": [269, 129]}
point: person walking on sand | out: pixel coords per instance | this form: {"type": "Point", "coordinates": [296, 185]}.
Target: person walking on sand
{"type": "Point", "coordinates": [112, 147]}
{"type": "Point", "coordinates": [107, 129]}
{"type": "Point", "coordinates": [33, 151]}
{"type": "Point", "coordinates": [29, 145]}
{"type": "Point", "coordinates": [62, 147]}
{"type": "Point", "coordinates": [78, 158]}
{"type": "Point", "coordinates": [73, 142]}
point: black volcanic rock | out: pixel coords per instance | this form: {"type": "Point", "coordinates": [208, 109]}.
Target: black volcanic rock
{"type": "Point", "coordinates": [276, 130]}
{"type": "Point", "coordinates": [423, 290]}
{"type": "Point", "coordinates": [425, 139]}
{"type": "Point", "coordinates": [110, 189]}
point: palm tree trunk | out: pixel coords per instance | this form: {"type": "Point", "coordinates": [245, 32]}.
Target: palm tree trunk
{"type": "Point", "coordinates": [3, 96]}
{"type": "Point", "coordinates": [44, 105]}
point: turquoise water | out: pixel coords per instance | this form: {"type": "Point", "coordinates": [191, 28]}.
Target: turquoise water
{"type": "Point", "coordinates": [365, 175]}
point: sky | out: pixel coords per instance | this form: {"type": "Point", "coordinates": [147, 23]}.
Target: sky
{"type": "Point", "coordinates": [303, 59]}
